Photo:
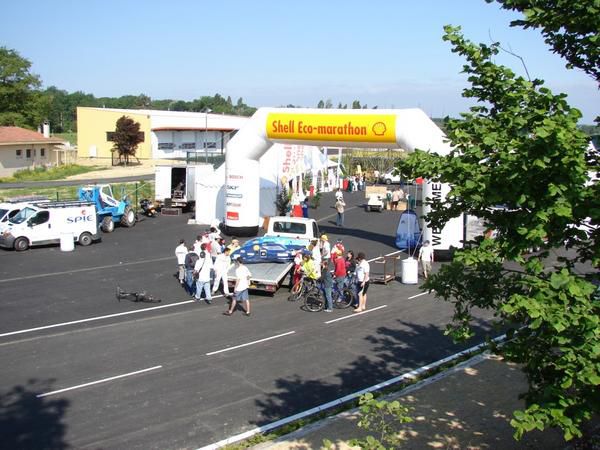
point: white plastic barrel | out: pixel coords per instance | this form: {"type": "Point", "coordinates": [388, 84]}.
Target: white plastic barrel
{"type": "Point", "coordinates": [410, 271]}
{"type": "Point", "coordinates": [67, 242]}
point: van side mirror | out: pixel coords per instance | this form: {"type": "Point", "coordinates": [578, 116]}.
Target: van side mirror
{"type": "Point", "coordinates": [29, 224]}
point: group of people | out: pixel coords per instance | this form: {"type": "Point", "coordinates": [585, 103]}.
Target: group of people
{"type": "Point", "coordinates": [204, 265]}
{"type": "Point", "coordinates": [319, 261]}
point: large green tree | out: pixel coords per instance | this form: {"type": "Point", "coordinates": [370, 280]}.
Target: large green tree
{"type": "Point", "coordinates": [570, 27]}
{"type": "Point", "coordinates": [520, 148]}
{"type": "Point", "coordinates": [20, 101]}
{"type": "Point", "coordinates": [126, 138]}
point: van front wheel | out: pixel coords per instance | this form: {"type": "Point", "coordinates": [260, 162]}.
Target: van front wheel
{"type": "Point", "coordinates": [85, 239]}
{"type": "Point", "coordinates": [21, 244]}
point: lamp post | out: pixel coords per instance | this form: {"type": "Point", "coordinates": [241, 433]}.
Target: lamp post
{"type": "Point", "coordinates": [206, 111]}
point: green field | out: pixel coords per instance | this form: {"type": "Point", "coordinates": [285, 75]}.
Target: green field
{"type": "Point", "coordinates": [48, 174]}
{"type": "Point", "coordinates": [144, 190]}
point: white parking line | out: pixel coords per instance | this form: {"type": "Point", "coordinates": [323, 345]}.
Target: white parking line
{"type": "Point", "coordinates": [418, 295]}
{"type": "Point", "coordinates": [92, 319]}
{"type": "Point", "coordinates": [250, 343]}
{"type": "Point", "coordinates": [104, 380]}
{"type": "Point", "coordinates": [356, 314]}
{"type": "Point", "coordinates": [87, 269]}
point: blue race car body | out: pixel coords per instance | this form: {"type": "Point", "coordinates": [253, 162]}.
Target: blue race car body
{"type": "Point", "coordinates": [269, 249]}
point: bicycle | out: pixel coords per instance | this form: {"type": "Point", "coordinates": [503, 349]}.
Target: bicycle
{"type": "Point", "coordinates": [140, 296]}
{"type": "Point", "coordinates": [314, 300]}
{"type": "Point", "coordinates": [301, 288]}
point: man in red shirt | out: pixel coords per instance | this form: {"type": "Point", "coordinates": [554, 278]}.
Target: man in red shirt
{"type": "Point", "coordinates": [339, 270]}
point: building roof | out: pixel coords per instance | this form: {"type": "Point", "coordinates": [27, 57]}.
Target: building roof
{"type": "Point", "coordinates": [18, 135]}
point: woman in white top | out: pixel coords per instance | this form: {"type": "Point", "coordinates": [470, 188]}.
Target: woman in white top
{"type": "Point", "coordinates": [362, 274]}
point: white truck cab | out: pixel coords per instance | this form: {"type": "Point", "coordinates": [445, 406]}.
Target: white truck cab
{"type": "Point", "coordinates": [295, 228]}
{"type": "Point", "coordinates": [11, 207]}
{"type": "Point", "coordinates": [45, 223]}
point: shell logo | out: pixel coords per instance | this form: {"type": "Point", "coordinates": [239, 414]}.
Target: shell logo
{"type": "Point", "coordinates": [379, 128]}
{"type": "Point", "coordinates": [255, 248]}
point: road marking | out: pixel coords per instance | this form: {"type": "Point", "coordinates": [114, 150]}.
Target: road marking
{"type": "Point", "coordinates": [88, 269]}
{"type": "Point", "coordinates": [250, 343]}
{"type": "Point", "coordinates": [342, 400]}
{"type": "Point", "coordinates": [418, 295]}
{"type": "Point", "coordinates": [356, 314]}
{"type": "Point", "coordinates": [104, 380]}
{"type": "Point", "coordinates": [92, 319]}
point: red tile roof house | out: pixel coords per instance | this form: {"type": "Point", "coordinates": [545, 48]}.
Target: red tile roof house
{"type": "Point", "coordinates": [22, 149]}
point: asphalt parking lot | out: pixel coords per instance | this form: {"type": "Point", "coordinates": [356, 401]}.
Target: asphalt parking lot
{"type": "Point", "coordinates": [179, 374]}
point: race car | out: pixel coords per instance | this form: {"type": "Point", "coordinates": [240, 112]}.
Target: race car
{"type": "Point", "coordinates": [268, 249]}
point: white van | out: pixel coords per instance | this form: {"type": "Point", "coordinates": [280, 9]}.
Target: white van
{"type": "Point", "coordinates": [11, 207]}
{"type": "Point", "coordinates": [44, 223]}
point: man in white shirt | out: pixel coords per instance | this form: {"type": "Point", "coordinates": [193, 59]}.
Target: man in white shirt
{"type": "Point", "coordinates": [180, 252]}
{"type": "Point", "coordinates": [242, 284]}
{"type": "Point", "coordinates": [339, 195]}
{"type": "Point", "coordinates": [202, 271]}
{"type": "Point", "coordinates": [426, 258]}
{"type": "Point", "coordinates": [325, 248]}
{"type": "Point", "coordinates": [362, 275]}
{"type": "Point", "coordinates": [222, 263]}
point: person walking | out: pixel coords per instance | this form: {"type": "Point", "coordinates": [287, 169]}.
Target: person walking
{"type": "Point", "coordinates": [202, 270]}
{"type": "Point", "coordinates": [327, 283]}
{"type": "Point", "coordinates": [325, 247]}
{"type": "Point", "coordinates": [426, 258]}
{"type": "Point", "coordinates": [339, 195]}
{"type": "Point", "coordinates": [362, 275]}
{"type": "Point", "coordinates": [242, 284]}
{"type": "Point", "coordinates": [305, 208]}
{"type": "Point", "coordinates": [396, 196]}
{"type": "Point", "coordinates": [190, 263]}
{"type": "Point", "coordinates": [340, 208]}
{"type": "Point", "coordinates": [181, 252]}
{"type": "Point", "coordinates": [221, 267]}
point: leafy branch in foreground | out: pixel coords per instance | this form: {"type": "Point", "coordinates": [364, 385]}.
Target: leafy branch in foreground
{"type": "Point", "coordinates": [520, 164]}
{"type": "Point", "coordinates": [381, 417]}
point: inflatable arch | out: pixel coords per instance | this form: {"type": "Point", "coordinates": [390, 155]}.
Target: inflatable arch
{"type": "Point", "coordinates": [408, 129]}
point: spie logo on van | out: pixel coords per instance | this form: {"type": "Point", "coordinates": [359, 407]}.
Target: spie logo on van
{"type": "Point", "coordinates": [81, 218]}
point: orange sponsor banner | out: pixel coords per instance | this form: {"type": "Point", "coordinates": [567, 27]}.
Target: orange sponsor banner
{"type": "Point", "coordinates": [380, 128]}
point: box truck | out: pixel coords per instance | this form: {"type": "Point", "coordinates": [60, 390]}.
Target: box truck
{"type": "Point", "coordinates": [175, 185]}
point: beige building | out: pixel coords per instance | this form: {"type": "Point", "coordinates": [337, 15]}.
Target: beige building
{"type": "Point", "coordinates": [24, 149]}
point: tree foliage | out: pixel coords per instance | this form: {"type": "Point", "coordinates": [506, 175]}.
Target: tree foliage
{"type": "Point", "coordinates": [570, 27]}
{"type": "Point", "coordinates": [126, 138]}
{"type": "Point", "coordinates": [520, 148]}
{"type": "Point", "coordinates": [20, 101]}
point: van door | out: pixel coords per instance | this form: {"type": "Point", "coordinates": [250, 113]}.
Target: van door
{"type": "Point", "coordinates": [40, 228]}
{"type": "Point", "coordinates": [162, 183]}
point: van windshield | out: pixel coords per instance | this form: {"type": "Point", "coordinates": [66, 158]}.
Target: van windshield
{"type": "Point", "coordinates": [289, 227]}
{"type": "Point", "coordinates": [3, 213]}
{"type": "Point", "coordinates": [23, 215]}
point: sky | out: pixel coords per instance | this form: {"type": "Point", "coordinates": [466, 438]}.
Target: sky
{"type": "Point", "coordinates": [387, 53]}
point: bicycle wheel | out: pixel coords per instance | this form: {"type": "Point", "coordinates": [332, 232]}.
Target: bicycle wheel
{"type": "Point", "coordinates": [313, 302]}
{"type": "Point", "coordinates": [346, 298]}
{"type": "Point", "coordinates": [296, 292]}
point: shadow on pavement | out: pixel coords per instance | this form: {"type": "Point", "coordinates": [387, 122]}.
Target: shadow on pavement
{"type": "Point", "coordinates": [29, 422]}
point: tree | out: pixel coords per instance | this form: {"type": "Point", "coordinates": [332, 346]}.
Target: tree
{"type": "Point", "coordinates": [126, 138]}
{"type": "Point", "coordinates": [520, 148]}
{"type": "Point", "coordinates": [20, 103]}
{"type": "Point", "coordinates": [321, 104]}
{"type": "Point", "coordinates": [569, 27]}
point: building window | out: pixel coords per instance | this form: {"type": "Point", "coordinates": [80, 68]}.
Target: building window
{"type": "Point", "coordinates": [166, 146]}
{"type": "Point", "coordinates": [28, 153]}
{"type": "Point", "coordinates": [19, 154]}
{"type": "Point", "coordinates": [188, 146]}
{"type": "Point", "coordinates": [210, 145]}
{"type": "Point", "coordinates": [43, 152]}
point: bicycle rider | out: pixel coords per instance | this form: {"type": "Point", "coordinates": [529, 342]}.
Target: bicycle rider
{"type": "Point", "coordinates": [308, 266]}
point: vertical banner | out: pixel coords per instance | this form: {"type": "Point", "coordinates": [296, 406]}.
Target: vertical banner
{"type": "Point", "coordinates": [242, 191]}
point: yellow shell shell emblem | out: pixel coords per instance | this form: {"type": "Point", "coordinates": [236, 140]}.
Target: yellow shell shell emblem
{"type": "Point", "coordinates": [379, 129]}
{"type": "Point", "coordinates": [256, 247]}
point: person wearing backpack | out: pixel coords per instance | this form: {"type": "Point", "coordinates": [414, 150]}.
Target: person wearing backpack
{"type": "Point", "coordinates": [189, 263]}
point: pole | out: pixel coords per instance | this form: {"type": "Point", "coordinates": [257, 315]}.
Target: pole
{"type": "Point", "coordinates": [205, 133]}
